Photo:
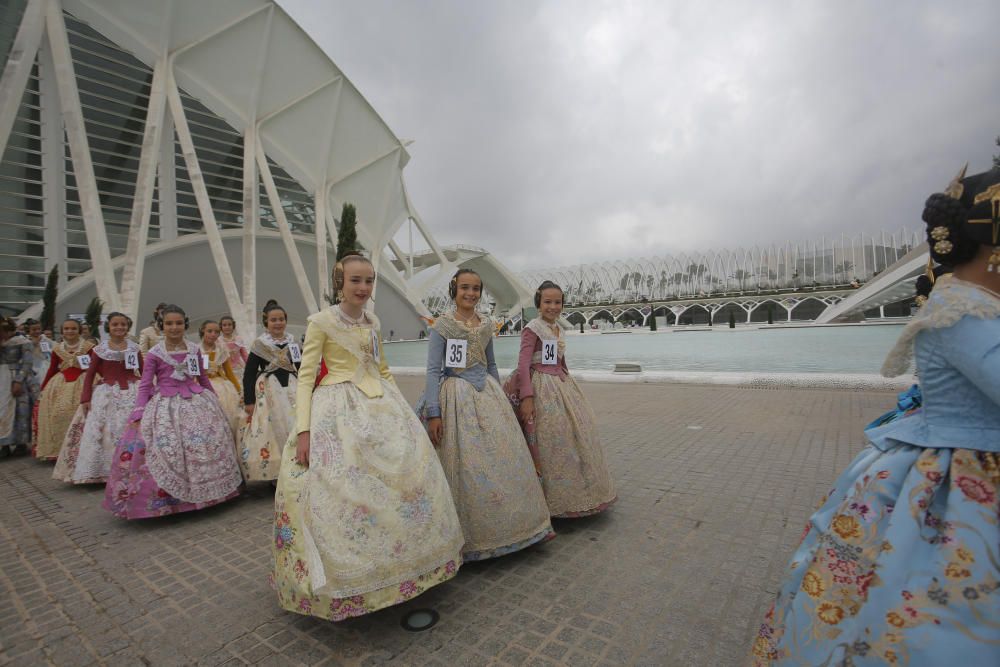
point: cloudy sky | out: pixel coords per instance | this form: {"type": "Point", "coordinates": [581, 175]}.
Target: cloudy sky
{"type": "Point", "coordinates": [560, 132]}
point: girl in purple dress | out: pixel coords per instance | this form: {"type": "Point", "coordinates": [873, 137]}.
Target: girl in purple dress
{"type": "Point", "coordinates": [176, 454]}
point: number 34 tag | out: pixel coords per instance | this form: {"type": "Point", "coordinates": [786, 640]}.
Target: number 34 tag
{"type": "Point", "coordinates": [455, 352]}
{"type": "Point", "coordinates": [550, 349]}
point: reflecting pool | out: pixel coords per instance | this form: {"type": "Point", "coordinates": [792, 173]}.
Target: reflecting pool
{"type": "Point", "coordinates": [835, 349]}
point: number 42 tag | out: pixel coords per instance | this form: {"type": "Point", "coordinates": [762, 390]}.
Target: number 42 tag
{"type": "Point", "coordinates": [455, 352]}
{"type": "Point", "coordinates": [132, 360]}
{"type": "Point", "coordinates": [550, 356]}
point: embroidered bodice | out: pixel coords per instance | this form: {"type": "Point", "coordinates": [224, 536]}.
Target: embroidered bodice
{"type": "Point", "coordinates": [167, 374]}
{"type": "Point", "coordinates": [110, 366]}
{"type": "Point", "coordinates": [479, 361]}
{"type": "Point", "coordinates": [529, 359]}
{"type": "Point", "coordinates": [66, 360]}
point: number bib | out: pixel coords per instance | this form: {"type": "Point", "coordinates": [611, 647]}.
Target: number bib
{"type": "Point", "coordinates": [295, 353]}
{"type": "Point", "coordinates": [84, 361]}
{"type": "Point", "coordinates": [191, 362]}
{"type": "Point", "coordinates": [204, 360]}
{"type": "Point", "coordinates": [132, 360]}
{"type": "Point", "coordinates": [550, 352]}
{"type": "Point", "coordinates": [455, 352]}
{"type": "Point", "coordinates": [45, 346]}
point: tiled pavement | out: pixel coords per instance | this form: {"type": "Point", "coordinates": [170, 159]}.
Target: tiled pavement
{"type": "Point", "coordinates": [714, 485]}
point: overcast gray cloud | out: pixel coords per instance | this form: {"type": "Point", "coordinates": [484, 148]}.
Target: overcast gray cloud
{"type": "Point", "coordinates": [558, 132]}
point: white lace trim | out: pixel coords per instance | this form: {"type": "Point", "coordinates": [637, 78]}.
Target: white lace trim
{"type": "Point", "coordinates": [542, 329]}
{"type": "Point", "coordinates": [951, 300]}
{"type": "Point", "coordinates": [104, 351]}
{"type": "Point", "coordinates": [180, 367]}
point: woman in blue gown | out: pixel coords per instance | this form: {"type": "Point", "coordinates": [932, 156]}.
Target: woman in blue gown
{"type": "Point", "coordinates": [900, 564]}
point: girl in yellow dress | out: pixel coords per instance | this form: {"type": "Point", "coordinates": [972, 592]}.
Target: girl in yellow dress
{"type": "Point", "coordinates": [221, 375]}
{"type": "Point", "coordinates": [363, 515]}
{"type": "Point", "coordinates": [61, 391]}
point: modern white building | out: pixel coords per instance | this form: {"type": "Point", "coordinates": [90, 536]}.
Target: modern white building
{"type": "Point", "coordinates": [198, 152]}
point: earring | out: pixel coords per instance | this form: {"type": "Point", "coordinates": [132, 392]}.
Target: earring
{"type": "Point", "coordinates": [340, 295]}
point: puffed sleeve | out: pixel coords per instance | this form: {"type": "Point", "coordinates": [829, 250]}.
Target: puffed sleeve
{"type": "Point", "coordinates": [973, 347]}
{"type": "Point", "coordinates": [435, 371]}
{"type": "Point", "coordinates": [312, 354]}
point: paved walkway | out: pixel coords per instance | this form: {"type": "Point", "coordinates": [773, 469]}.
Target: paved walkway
{"type": "Point", "coordinates": [714, 486]}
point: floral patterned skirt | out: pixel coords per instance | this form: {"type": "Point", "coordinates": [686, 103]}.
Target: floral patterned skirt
{"type": "Point", "coordinates": [56, 408]}
{"type": "Point", "coordinates": [232, 405]}
{"type": "Point", "coordinates": [263, 438]}
{"type": "Point", "coordinates": [86, 453]}
{"type": "Point", "coordinates": [180, 459]}
{"type": "Point", "coordinates": [489, 468]}
{"type": "Point", "coordinates": [370, 523]}
{"type": "Point", "coordinates": [898, 566]}
{"type": "Point", "coordinates": [574, 474]}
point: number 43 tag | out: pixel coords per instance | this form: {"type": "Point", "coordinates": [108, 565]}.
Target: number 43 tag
{"type": "Point", "coordinates": [455, 352]}
{"type": "Point", "coordinates": [550, 356]}
{"type": "Point", "coordinates": [84, 361]}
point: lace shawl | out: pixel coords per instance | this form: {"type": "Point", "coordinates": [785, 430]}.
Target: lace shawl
{"type": "Point", "coordinates": [221, 352]}
{"type": "Point", "coordinates": [266, 347]}
{"type": "Point", "coordinates": [542, 329]}
{"type": "Point", "coordinates": [336, 330]}
{"type": "Point", "coordinates": [951, 300]}
{"type": "Point", "coordinates": [478, 337]}
{"type": "Point", "coordinates": [180, 367]}
{"type": "Point", "coordinates": [69, 358]}
{"type": "Point", "coordinates": [104, 351]}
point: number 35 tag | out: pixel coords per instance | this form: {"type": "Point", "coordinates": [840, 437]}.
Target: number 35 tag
{"type": "Point", "coordinates": [550, 356]}
{"type": "Point", "coordinates": [455, 352]}
{"type": "Point", "coordinates": [84, 361]}
{"type": "Point", "coordinates": [193, 367]}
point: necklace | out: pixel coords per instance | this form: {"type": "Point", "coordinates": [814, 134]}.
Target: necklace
{"type": "Point", "coordinates": [124, 346]}
{"type": "Point", "coordinates": [352, 321]}
{"type": "Point", "coordinates": [469, 322]}
{"type": "Point", "coordinates": [182, 348]}
{"type": "Point", "coordinates": [73, 349]}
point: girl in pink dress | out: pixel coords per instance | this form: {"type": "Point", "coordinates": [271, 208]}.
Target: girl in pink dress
{"type": "Point", "coordinates": [238, 351]}
{"type": "Point", "coordinates": [558, 422]}
{"type": "Point", "coordinates": [176, 454]}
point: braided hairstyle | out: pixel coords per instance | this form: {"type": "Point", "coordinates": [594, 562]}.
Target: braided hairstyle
{"type": "Point", "coordinates": [173, 308]}
{"type": "Point", "coordinates": [548, 284]}
{"type": "Point", "coordinates": [111, 316]}
{"type": "Point", "coordinates": [338, 271]}
{"type": "Point", "coordinates": [270, 306]}
{"type": "Point", "coordinates": [945, 218]}
{"type": "Point", "coordinates": [453, 284]}
{"type": "Point", "coordinates": [201, 329]}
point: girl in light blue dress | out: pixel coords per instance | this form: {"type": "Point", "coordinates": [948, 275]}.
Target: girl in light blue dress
{"type": "Point", "coordinates": [900, 564]}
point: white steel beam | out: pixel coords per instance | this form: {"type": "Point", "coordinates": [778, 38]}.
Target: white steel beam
{"type": "Point", "coordinates": [205, 206]}
{"type": "Point", "coordinates": [53, 166]}
{"type": "Point", "coordinates": [286, 231]}
{"type": "Point", "coordinates": [18, 67]}
{"type": "Point", "coordinates": [79, 148]}
{"type": "Point", "coordinates": [142, 203]}
{"type": "Point", "coordinates": [166, 182]}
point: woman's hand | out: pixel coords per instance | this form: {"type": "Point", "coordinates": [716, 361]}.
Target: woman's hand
{"type": "Point", "coordinates": [249, 410]}
{"type": "Point", "coordinates": [435, 430]}
{"type": "Point", "coordinates": [527, 409]}
{"type": "Point", "coordinates": [302, 449]}
{"type": "Point", "coordinates": [86, 407]}
{"type": "Point", "coordinates": [16, 388]}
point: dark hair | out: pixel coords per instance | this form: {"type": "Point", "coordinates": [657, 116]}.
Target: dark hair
{"type": "Point", "coordinates": [30, 322]}
{"type": "Point", "coordinates": [227, 318]}
{"type": "Point", "coordinates": [173, 308]}
{"type": "Point", "coordinates": [201, 329]}
{"type": "Point", "coordinates": [268, 307]}
{"type": "Point", "coordinates": [8, 324]}
{"type": "Point", "coordinates": [547, 284]}
{"type": "Point", "coordinates": [338, 268]}
{"type": "Point", "coordinates": [111, 315]}
{"type": "Point", "coordinates": [945, 218]}
{"type": "Point", "coordinates": [78, 324]}
{"type": "Point", "coordinates": [453, 285]}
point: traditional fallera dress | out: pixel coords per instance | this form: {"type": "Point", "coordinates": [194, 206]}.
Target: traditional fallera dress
{"type": "Point", "coordinates": [40, 360]}
{"type": "Point", "coordinates": [269, 383]}
{"type": "Point", "coordinates": [563, 436]}
{"type": "Point", "coordinates": [899, 565]}
{"type": "Point", "coordinates": [227, 387]}
{"type": "Point", "coordinates": [15, 411]}
{"type": "Point", "coordinates": [149, 337]}
{"type": "Point", "coordinates": [59, 398]}
{"type": "Point", "coordinates": [111, 388]}
{"type": "Point", "coordinates": [181, 456]}
{"type": "Point", "coordinates": [370, 523]}
{"type": "Point", "coordinates": [238, 353]}
{"type": "Point", "coordinates": [483, 452]}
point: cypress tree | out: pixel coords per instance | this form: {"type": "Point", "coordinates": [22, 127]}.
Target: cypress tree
{"type": "Point", "coordinates": [48, 317]}
{"type": "Point", "coordinates": [732, 320]}
{"type": "Point", "coordinates": [652, 321]}
{"type": "Point", "coordinates": [347, 235]}
{"type": "Point", "coordinates": [93, 316]}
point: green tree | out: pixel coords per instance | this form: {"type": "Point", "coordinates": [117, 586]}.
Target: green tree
{"type": "Point", "coordinates": [93, 316]}
{"type": "Point", "coordinates": [652, 321]}
{"type": "Point", "coordinates": [347, 234]}
{"type": "Point", "coordinates": [996, 158]}
{"type": "Point", "coordinates": [48, 317]}
{"type": "Point", "coordinates": [732, 320]}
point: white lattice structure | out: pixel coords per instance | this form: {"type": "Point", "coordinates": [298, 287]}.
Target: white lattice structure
{"type": "Point", "coordinates": [822, 263]}
{"type": "Point", "coordinates": [192, 151]}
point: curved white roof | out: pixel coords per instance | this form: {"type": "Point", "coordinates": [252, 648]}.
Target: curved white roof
{"type": "Point", "coordinates": [251, 64]}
